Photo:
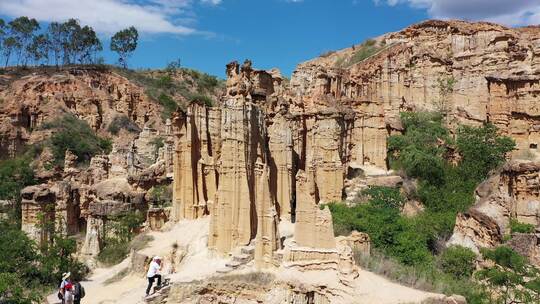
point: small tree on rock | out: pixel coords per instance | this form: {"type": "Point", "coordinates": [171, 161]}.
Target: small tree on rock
{"type": "Point", "coordinates": [124, 43]}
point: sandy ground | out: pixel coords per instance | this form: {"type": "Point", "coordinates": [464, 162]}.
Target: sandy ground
{"type": "Point", "coordinates": [193, 235]}
{"type": "Point", "coordinates": [368, 288]}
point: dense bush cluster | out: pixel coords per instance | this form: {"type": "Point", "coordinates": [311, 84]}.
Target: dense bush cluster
{"type": "Point", "coordinates": [391, 233]}
{"type": "Point", "coordinates": [27, 271]}
{"type": "Point", "coordinates": [518, 227]}
{"type": "Point", "coordinates": [120, 122]}
{"type": "Point", "coordinates": [75, 135]}
{"type": "Point", "coordinates": [165, 88]}
{"type": "Point", "coordinates": [119, 232]}
{"type": "Point", "coordinates": [446, 170]}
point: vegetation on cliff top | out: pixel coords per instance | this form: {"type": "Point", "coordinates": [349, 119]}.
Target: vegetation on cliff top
{"type": "Point", "coordinates": [24, 42]}
{"type": "Point", "coordinates": [361, 52]}
{"type": "Point", "coordinates": [175, 87]}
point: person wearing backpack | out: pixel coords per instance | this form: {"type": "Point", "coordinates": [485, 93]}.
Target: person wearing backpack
{"type": "Point", "coordinates": [63, 286]}
{"type": "Point", "coordinates": [68, 293]}
{"type": "Point", "coordinates": [78, 292]}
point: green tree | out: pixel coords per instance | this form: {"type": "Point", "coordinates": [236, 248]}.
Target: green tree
{"type": "Point", "coordinates": [87, 45]}
{"type": "Point", "coordinates": [70, 31]}
{"type": "Point", "coordinates": [124, 43]}
{"type": "Point", "coordinates": [18, 271]}
{"type": "Point", "coordinates": [39, 48]}
{"type": "Point", "coordinates": [161, 194]}
{"type": "Point", "coordinates": [15, 174]}
{"type": "Point", "coordinates": [77, 136]}
{"type": "Point", "coordinates": [482, 150]}
{"type": "Point", "coordinates": [458, 261]}
{"type": "Point", "coordinates": [511, 279]}
{"type": "Point", "coordinates": [119, 231]}
{"type": "Point", "coordinates": [10, 45]}
{"type": "Point", "coordinates": [23, 30]}
{"type": "Point", "coordinates": [2, 32]}
{"type": "Point", "coordinates": [56, 34]}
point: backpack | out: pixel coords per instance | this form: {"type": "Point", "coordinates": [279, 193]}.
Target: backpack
{"type": "Point", "coordinates": [79, 291]}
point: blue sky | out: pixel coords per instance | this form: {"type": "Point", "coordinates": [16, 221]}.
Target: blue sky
{"type": "Point", "coordinates": [207, 34]}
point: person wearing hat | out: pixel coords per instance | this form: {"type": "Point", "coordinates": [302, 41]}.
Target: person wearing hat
{"type": "Point", "coordinates": [153, 273]}
{"type": "Point", "coordinates": [65, 287]}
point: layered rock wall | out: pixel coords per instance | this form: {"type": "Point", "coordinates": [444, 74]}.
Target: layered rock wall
{"type": "Point", "coordinates": [511, 194]}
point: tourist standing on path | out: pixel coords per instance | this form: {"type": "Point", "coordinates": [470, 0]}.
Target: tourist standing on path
{"type": "Point", "coordinates": [65, 291]}
{"type": "Point", "coordinates": [62, 288]}
{"type": "Point", "coordinates": [78, 292]}
{"type": "Point", "coordinates": [153, 273]}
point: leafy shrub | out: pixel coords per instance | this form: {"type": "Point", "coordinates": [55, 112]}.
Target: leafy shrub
{"type": "Point", "coordinates": [162, 194]}
{"type": "Point", "coordinates": [169, 105]}
{"type": "Point", "coordinates": [202, 100]}
{"type": "Point", "coordinates": [26, 271]}
{"type": "Point", "coordinates": [381, 219]}
{"type": "Point", "coordinates": [482, 150]}
{"type": "Point", "coordinates": [205, 82]}
{"type": "Point", "coordinates": [15, 174]}
{"type": "Point", "coordinates": [458, 261]}
{"type": "Point", "coordinates": [158, 143]}
{"type": "Point", "coordinates": [76, 135]}
{"type": "Point", "coordinates": [113, 253]}
{"type": "Point", "coordinates": [511, 279]}
{"type": "Point", "coordinates": [518, 227]}
{"type": "Point", "coordinates": [119, 232]}
{"type": "Point", "coordinates": [367, 49]}
{"type": "Point", "coordinates": [173, 66]}
{"type": "Point", "coordinates": [424, 277]}
{"type": "Point", "coordinates": [123, 122]}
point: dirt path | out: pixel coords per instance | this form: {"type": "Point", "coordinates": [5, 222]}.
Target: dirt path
{"type": "Point", "coordinates": [192, 236]}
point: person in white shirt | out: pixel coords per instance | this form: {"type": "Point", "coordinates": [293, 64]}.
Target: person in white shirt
{"type": "Point", "coordinates": [62, 290]}
{"type": "Point", "coordinates": [153, 273]}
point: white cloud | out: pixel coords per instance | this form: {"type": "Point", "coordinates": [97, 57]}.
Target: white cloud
{"type": "Point", "coordinates": [509, 12]}
{"type": "Point", "coordinates": [212, 2]}
{"type": "Point", "coordinates": [108, 16]}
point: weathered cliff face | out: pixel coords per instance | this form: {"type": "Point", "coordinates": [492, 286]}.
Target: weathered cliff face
{"type": "Point", "coordinates": [514, 193]}
{"type": "Point", "coordinates": [76, 199]}
{"type": "Point", "coordinates": [96, 96]}
{"type": "Point", "coordinates": [475, 72]}
{"type": "Point", "coordinates": [334, 118]}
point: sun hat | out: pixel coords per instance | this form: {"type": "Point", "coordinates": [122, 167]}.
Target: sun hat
{"type": "Point", "coordinates": [156, 258]}
{"type": "Point", "coordinates": [65, 275]}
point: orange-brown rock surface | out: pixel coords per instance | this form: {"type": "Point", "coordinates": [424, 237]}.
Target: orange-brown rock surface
{"type": "Point", "coordinates": [74, 198]}
{"type": "Point", "coordinates": [334, 117]}
{"type": "Point", "coordinates": [514, 193]}
{"type": "Point", "coordinates": [94, 95]}
{"type": "Point", "coordinates": [273, 151]}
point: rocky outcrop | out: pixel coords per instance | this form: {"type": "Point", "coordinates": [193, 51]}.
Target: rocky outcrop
{"type": "Point", "coordinates": [474, 72]}
{"type": "Point", "coordinates": [95, 95]}
{"type": "Point", "coordinates": [513, 193]}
